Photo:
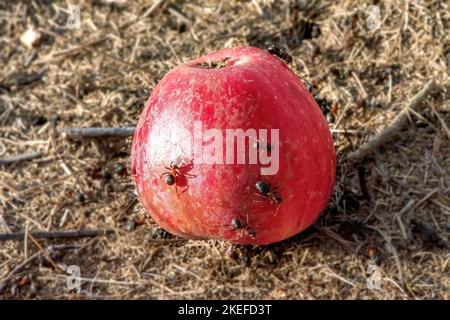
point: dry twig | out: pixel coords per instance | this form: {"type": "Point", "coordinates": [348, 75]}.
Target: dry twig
{"type": "Point", "coordinates": [395, 127]}
{"type": "Point", "coordinates": [348, 245]}
{"type": "Point", "coordinates": [86, 233]}
{"type": "Point", "coordinates": [21, 157]}
{"type": "Point", "coordinates": [96, 132]}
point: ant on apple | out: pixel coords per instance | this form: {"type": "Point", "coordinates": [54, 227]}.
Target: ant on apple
{"type": "Point", "coordinates": [174, 173]}
{"type": "Point", "coordinates": [269, 193]}
{"type": "Point", "coordinates": [236, 224]}
{"type": "Point", "coordinates": [280, 53]}
{"type": "Point", "coordinates": [266, 191]}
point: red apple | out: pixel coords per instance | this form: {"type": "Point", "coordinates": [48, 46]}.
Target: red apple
{"type": "Point", "coordinates": [240, 88]}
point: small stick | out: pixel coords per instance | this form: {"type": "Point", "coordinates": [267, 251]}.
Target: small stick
{"type": "Point", "coordinates": [166, 240]}
{"type": "Point", "coordinates": [92, 280]}
{"type": "Point", "coordinates": [399, 215]}
{"type": "Point", "coordinates": [21, 157]}
{"type": "Point", "coordinates": [395, 127]}
{"type": "Point", "coordinates": [2, 146]}
{"type": "Point", "coordinates": [442, 121]}
{"type": "Point", "coordinates": [363, 182]}
{"type": "Point", "coordinates": [407, 208]}
{"type": "Point", "coordinates": [25, 240]}
{"type": "Point", "coordinates": [348, 245]}
{"type": "Point", "coordinates": [119, 60]}
{"type": "Point", "coordinates": [349, 132]}
{"type": "Point", "coordinates": [72, 98]}
{"type": "Point", "coordinates": [146, 14]}
{"type": "Point", "coordinates": [335, 275]}
{"type": "Point", "coordinates": [30, 58]}
{"type": "Point", "coordinates": [96, 132]}
{"type": "Point", "coordinates": [361, 87]}
{"type": "Point", "coordinates": [180, 16]}
{"type": "Point", "coordinates": [86, 233]}
{"type": "Point", "coordinates": [87, 48]}
{"type": "Point", "coordinates": [424, 199]}
{"type": "Point", "coordinates": [27, 79]}
{"type": "Point", "coordinates": [44, 251]}
{"type": "Point", "coordinates": [153, 7]}
{"type": "Point", "coordinates": [258, 7]}
{"type": "Point", "coordinates": [393, 251]}
{"type": "Point", "coordinates": [76, 49]}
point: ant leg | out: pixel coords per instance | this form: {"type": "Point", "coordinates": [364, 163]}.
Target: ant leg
{"type": "Point", "coordinates": [260, 195]}
{"type": "Point", "coordinates": [176, 187]}
{"type": "Point", "coordinates": [278, 207]}
{"type": "Point", "coordinates": [184, 190]}
{"type": "Point", "coordinates": [276, 211]}
{"type": "Point", "coordinates": [260, 201]}
{"type": "Point", "coordinates": [163, 174]}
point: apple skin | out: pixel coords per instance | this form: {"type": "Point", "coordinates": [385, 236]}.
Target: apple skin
{"type": "Point", "coordinates": [253, 90]}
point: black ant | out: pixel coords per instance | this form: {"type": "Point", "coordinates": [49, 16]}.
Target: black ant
{"type": "Point", "coordinates": [266, 191]}
{"type": "Point", "coordinates": [174, 174]}
{"type": "Point", "coordinates": [270, 194]}
{"type": "Point", "coordinates": [280, 53]}
{"type": "Point", "coordinates": [236, 224]}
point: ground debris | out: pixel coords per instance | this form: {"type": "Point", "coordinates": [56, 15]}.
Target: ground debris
{"type": "Point", "coordinates": [426, 235]}
{"type": "Point", "coordinates": [100, 75]}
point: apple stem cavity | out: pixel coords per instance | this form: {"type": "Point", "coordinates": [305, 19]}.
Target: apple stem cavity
{"type": "Point", "coordinates": [213, 64]}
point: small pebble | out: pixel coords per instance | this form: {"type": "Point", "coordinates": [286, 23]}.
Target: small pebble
{"type": "Point", "coordinates": [31, 38]}
{"type": "Point", "coordinates": [13, 289]}
{"type": "Point", "coordinates": [130, 225]}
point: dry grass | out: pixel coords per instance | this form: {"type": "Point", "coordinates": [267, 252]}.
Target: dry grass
{"type": "Point", "coordinates": [102, 75]}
